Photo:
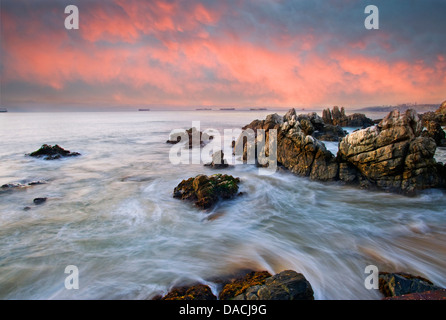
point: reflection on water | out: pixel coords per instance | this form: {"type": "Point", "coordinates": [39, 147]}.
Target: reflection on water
{"type": "Point", "coordinates": [112, 214]}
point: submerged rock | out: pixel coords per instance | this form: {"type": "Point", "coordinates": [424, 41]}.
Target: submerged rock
{"type": "Point", "coordinates": [11, 186]}
{"type": "Point", "coordinates": [399, 284]}
{"type": "Point", "coordinates": [39, 201]}
{"type": "Point", "coordinates": [48, 152]}
{"type": "Point", "coordinates": [205, 191]}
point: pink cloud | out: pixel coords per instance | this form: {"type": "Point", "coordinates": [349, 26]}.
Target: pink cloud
{"type": "Point", "coordinates": [188, 65]}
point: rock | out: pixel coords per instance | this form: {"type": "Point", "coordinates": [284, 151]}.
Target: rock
{"type": "Point", "coordinates": [189, 134]}
{"type": "Point", "coordinates": [392, 155]}
{"type": "Point", "coordinates": [196, 292]}
{"type": "Point", "coordinates": [427, 295]}
{"type": "Point", "coordinates": [398, 284]}
{"type": "Point", "coordinates": [48, 152]}
{"type": "Point", "coordinates": [338, 117]}
{"type": "Point", "coordinates": [287, 285]}
{"type": "Point", "coordinates": [205, 191]}
{"type": "Point", "coordinates": [438, 116]}
{"type": "Point", "coordinates": [15, 185]}
{"type": "Point", "coordinates": [330, 133]}
{"type": "Point", "coordinates": [240, 285]}
{"type": "Point", "coordinates": [297, 150]}
{"type": "Point", "coordinates": [38, 201]}
{"type": "Point", "coordinates": [218, 161]}
{"type": "Point", "coordinates": [436, 132]}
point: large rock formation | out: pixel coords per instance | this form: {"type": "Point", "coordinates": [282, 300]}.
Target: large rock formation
{"type": "Point", "coordinates": [338, 117]}
{"type": "Point", "coordinates": [205, 191]}
{"type": "Point", "coordinates": [392, 155]}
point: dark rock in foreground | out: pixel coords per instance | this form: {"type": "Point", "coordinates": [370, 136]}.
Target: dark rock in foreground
{"type": "Point", "coordinates": [205, 191]}
{"type": "Point", "coordinates": [427, 295]}
{"type": "Point", "coordinates": [255, 285]}
{"type": "Point", "coordinates": [399, 284]}
{"type": "Point", "coordinates": [287, 285]}
{"type": "Point", "coordinates": [240, 285]}
{"type": "Point", "coordinates": [196, 292]}
{"type": "Point", "coordinates": [48, 152]}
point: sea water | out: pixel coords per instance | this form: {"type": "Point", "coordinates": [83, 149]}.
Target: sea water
{"type": "Point", "coordinates": [110, 213]}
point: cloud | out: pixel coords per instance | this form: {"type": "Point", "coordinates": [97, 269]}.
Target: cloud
{"type": "Point", "coordinates": [184, 53]}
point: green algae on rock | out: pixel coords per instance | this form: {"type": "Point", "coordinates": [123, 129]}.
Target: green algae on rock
{"type": "Point", "coordinates": [205, 191]}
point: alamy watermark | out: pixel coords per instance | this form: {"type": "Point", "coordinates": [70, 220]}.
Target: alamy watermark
{"type": "Point", "coordinates": [371, 21]}
{"type": "Point", "coordinates": [72, 280]}
{"type": "Point", "coordinates": [372, 280]}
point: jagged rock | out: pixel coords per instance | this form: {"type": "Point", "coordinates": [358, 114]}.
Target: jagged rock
{"type": "Point", "coordinates": [48, 152]}
{"type": "Point", "coordinates": [436, 132]}
{"type": "Point", "coordinates": [240, 285]}
{"type": "Point", "coordinates": [438, 116]}
{"type": "Point", "coordinates": [205, 191]}
{"type": "Point", "coordinates": [187, 135]}
{"type": "Point", "coordinates": [392, 155]}
{"type": "Point", "coordinates": [287, 285]}
{"type": "Point", "coordinates": [338, 117]}
{"type": "Point", "coordinates": [218, 161]}
{"type": "Point", "coordinates": [398, 284]}
{"type": "Point", "coordinates": [196, 292]}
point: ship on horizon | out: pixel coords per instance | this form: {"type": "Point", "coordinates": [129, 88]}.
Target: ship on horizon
{"type": "Point", "coordinates": [143, 109]}
{"type": "Point", "coordinates": [227, 109]}
{"type": "Point", "coordinates": [3, 110]}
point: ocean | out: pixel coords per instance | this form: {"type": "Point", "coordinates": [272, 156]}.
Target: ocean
{"type": "Point", "coordinates": [110, 213]}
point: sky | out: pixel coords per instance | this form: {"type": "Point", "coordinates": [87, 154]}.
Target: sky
{"type": "Point", "coordinates": [235, 53]}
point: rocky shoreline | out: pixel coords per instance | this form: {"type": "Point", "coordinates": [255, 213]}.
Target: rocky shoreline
{"type": "Point", "coordinates": [395, 155]}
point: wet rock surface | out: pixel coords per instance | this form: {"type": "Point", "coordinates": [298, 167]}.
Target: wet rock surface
{"type": "Point", "coordinates": [48, 152]}
{"type": "Point", "coordinates": [254, 285]}
{"type": "Point", "coordinates": [393, 155]}
{"type": "Point", "coordinates": [401, 285]}
{"type": "Point", "coordinates": [206, 191]}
